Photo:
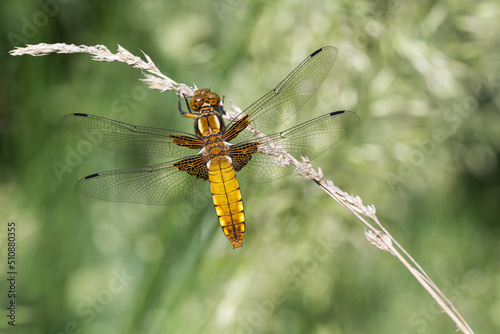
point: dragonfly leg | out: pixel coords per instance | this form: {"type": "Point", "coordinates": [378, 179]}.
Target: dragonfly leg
{"type": "Point", "coordinates": [220, 107]}
{"type": "Point", "coordinates": [188, 113]}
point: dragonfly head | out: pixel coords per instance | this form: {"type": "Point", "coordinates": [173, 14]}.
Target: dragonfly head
{"type": "Point", "coordinates": [204, 97]}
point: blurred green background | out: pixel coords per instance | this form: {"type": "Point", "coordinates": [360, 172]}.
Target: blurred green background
{"type": "Point", "coordinates": [423, 77]}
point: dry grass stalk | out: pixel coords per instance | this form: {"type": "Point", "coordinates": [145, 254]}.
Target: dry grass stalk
{"type": "Point", "coordinates": [381, 239]}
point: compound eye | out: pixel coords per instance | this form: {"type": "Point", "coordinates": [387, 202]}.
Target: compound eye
{"type": "Point", "coordinates": [197, 99]}
{"type": "Point", "coordinates": [213, 98]}
{"type": "Point", "coordinates": [203, 91]}
{"type": "Point", "coordinates": [195, 103]}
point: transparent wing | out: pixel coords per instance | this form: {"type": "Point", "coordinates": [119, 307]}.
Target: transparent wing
{"type": "Point", "coordinates": [136, 141]}
{"type": "Point", "coordinates": [308, 139]}
{"type": "Point", "coordinates": [160, 184]}
{"type": "Point", "coordinates": [292, 93]}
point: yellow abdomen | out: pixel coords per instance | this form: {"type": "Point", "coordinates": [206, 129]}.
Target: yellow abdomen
{"type": "Point", "coordinates": [226, 195]}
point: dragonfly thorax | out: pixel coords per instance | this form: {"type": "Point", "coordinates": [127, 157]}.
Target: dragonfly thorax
{"type": "Point", "coordinates": [209, 123]}
{"type": "Point", "coordinates": [215, 148]}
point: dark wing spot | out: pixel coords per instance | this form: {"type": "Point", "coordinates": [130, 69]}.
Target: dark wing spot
{"type": "Point", "coordinates": [316, 52]}
{"type": "Point", "coordinates": [194, 166]}
{"type": "Point", "coordinates": [186, 141]}
{"type": "Point", "coordinates": [241, 154]}
{"type": "Point", "coordinates": [235, 129]}
{"type": "Point", "coordinates": [337, 112]}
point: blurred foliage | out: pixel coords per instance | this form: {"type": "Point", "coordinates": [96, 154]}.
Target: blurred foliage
{"type": "Point", "coordinates": [424, 78]}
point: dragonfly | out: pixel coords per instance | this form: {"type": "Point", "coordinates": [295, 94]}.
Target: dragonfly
{"type": "Point", "coordinates": [217, 155]}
